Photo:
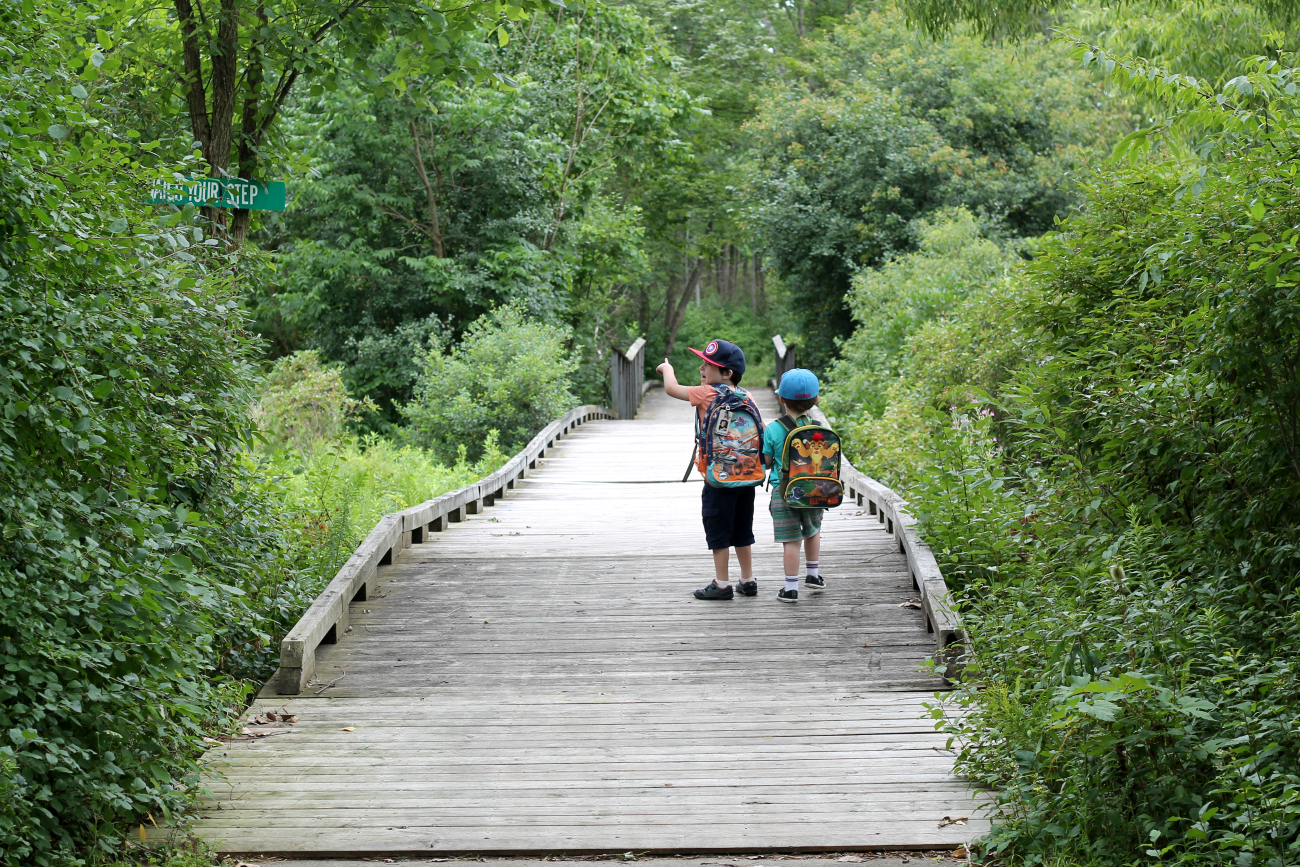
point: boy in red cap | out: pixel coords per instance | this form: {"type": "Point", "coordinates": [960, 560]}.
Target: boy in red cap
{"type": "Point", "coordinates": [728, 512]}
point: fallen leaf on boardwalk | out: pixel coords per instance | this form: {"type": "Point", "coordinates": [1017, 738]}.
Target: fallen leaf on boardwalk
{"type": "Point", "coordinates": [911, 603]}
{"type": "Point", "coordinates": [852, 858]}
{"type": "Point", "coordinates": [293, 719]}
{"type": "Point", "coordinates": [208, 740]}
{"type": "Point", "coordinates": [959, 852]}
{"type": "Point", "coordinates": [948, 820]}
{"type": "Point", "coordinates": [354, 728]}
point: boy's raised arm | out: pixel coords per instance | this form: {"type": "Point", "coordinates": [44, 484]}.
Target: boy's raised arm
{"type": "Point", "coordinates": [671, 386]}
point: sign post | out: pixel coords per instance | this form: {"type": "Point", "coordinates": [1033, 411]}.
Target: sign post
{"type": "Point", "coordinates": [220, 193]}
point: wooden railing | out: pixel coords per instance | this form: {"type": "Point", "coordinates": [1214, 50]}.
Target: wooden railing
{"type": "Point", "coordinates": [627, 379]}
{"type": "Point", "coordinates": [787, 358]}
{"type": "Point", "coordinates": [940, 618]}
{"type": "Point", "coordinates": [327, 618]}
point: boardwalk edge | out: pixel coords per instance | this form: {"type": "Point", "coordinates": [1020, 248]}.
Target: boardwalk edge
{"type": "Point", "coordinates": [941, 619]}
{"type": "Point", "coordinates": [327, 618]}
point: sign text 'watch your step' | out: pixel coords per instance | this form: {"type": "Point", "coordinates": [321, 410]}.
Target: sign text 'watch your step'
{"type": "Point", "coordinates": [220, 193]}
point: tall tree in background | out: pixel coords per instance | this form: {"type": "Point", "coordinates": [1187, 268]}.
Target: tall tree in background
{"type": "Point", "coordinates": [236, 63]}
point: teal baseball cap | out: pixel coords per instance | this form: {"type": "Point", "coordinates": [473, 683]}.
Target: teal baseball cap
{"type": "Point", "coordinates": [799, 384]}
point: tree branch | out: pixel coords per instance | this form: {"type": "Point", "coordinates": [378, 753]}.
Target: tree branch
{"type": "Point", "coordinates": [417, 159]}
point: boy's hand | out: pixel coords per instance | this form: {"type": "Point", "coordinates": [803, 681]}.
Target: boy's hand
{"type": "Point", "coordinates": [671, 386]}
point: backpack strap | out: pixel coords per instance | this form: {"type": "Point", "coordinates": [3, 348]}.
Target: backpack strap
{"type": "Point", "coordinates": [791, 425]}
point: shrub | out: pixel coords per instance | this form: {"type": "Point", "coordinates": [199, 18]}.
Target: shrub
{"type": "Point", "coordinates": [892, 302]}
{"type": "Point", "coordinates": [124, 391]}
{"type": "Point", "coordinates": [508, 374]}
{"type": "Point", "coordinates": [303, 403]}
{"type": "Point", "coordinates": [1119, 512]}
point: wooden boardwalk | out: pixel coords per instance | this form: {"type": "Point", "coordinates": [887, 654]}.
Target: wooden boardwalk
{"type": "Point", "coordinates": [539, 679]}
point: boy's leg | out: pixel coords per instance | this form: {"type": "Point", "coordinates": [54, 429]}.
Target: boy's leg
{"type": "Point", "coordinates": [742, 535]}
{"type": "Point", "coordinates": [720, 558]}
{"type": "Point", "coordinates": [812, 548]}
{"type": "Point", "coordinates": [718, 508]}
{"type": "Point", "coordinates": [746, 561]}
{"type": "Point", "coordinates": [791, 559]}
{"type": "Point", "coordinates": [786, 526]}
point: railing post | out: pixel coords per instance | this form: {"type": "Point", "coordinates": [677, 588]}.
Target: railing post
{"type": "Point", "coordinates": [626, 376]}
{"type": "Point", "coordinates": [787, 358]}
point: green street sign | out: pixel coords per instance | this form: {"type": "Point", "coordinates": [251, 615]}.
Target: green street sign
{"type": "Point", "coordinates": [220, 193]}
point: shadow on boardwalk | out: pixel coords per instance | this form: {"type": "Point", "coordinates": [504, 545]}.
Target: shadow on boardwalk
{"type": "Point", "coordinates": [540, 679]}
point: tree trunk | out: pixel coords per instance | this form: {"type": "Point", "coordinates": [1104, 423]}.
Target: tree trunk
{"type": "Point", "coordinates": [250, 129]}
{"type": "Point", "coordinates": [674, 312]}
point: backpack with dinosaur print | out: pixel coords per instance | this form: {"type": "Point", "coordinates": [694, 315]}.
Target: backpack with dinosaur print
{"type": "Point", "coordinates": [731, 440]}
{"type": "Point", "coordinates": [810, 466]}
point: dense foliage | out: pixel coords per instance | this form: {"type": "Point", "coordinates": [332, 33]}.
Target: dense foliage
{"type": "Point", "coordinates": [506, 380]}
{"type": "Point", "coordinates": [1113, 490]}
{"type": "Point", "coordinates": [124, 379]}
{"type": "Point", "coordinates": [1083, 374]}
{"type": "Point", "coordinates": [441, 204]}
{"type": "Point", "coordinates": [890, 127]}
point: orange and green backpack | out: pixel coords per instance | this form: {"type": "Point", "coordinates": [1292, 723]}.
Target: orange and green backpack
{"type": "Point", "coordinates": [810, 466]}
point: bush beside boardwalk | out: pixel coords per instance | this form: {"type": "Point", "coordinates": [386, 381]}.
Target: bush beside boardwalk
{"type": "Point", "coordinates": [1104, 450]}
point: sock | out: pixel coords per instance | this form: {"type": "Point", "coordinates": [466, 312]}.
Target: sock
{"type": "Point", "coordinates": [722, 585]}
{"type": "Point", "coordinates": [792, 582]}
{"type": "Point", "coordinates": [812, 568]}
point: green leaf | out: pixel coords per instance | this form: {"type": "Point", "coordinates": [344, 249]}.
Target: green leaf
{"type": "Point", "coordinates": [57, 131]}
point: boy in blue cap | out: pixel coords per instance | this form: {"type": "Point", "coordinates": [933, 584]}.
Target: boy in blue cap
{"type": "Point", "coordinates": [728, 512]}
{"type": "Point", "coordinates": [797, 393]}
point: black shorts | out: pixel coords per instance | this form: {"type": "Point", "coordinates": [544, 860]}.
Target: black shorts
{"type": "Point", "coordinates": [728, 517]}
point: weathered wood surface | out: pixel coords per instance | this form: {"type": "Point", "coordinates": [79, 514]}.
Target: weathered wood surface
{"type": "Point", "coordinates": [538, 678]}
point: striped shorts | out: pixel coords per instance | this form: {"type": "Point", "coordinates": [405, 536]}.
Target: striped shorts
{"type": "Point", "coordinates": [791, 525]}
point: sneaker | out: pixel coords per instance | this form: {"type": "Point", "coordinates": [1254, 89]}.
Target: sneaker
{"type": "Point", "coordinates": [784, 595]}
{"type": "Point", "coordinates": [747, 588]}
{"type": "Point", "coordinates": [814, 582]}
{"type": "Point", "coordinates": [713, 591]}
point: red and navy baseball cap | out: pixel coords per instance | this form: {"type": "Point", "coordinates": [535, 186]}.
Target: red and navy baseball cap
{"type": "Point", "coordinates": [724, 354]}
